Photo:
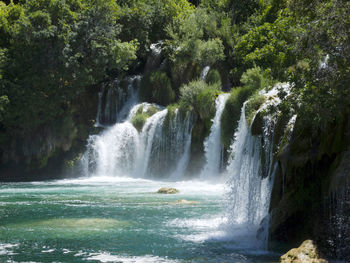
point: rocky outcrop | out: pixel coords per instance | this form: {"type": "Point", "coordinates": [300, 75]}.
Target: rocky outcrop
{"type": "Point", "coordinates": [306, 253]}
{"type": "Point", "coordinates": [166, 190]}
{"type": "Point", "coordinates": [46, 152]}
{"type": "Point", "coordinates": [307, 199]}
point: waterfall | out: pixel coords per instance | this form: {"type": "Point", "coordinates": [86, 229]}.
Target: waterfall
{"type": "Point", "coordinates": [249, 197]}
{"type": "Point", "coordinates": [251, 171]}
{"type": "Point", "coordinates": [160, 149]}
{"type": "Point", "coordinates": [184, 133]}
{"type": "Point", "coordinates": [212, 144]}
{"type": "Point", "coordinates": [99, 107]}
{"type": "Point", "coordinates": [114, 152]}
{"type": "Point", "coordinates": [116, 99]}
{"type": "Point", "coordinates": [204, 72]}
{"type": "Point", "coordinates": [166, 138]}
{"type": "Point", "coordinates": [150, 137]}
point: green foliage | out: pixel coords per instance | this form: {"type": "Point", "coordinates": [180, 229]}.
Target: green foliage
{"type": "Point", "coordinates": [213, 77]}
{"type": "Point", "coordinates": [147, 20]}
{"type": "Point", "coordinates": [141, 116]}
{"type": "Point", "coordinates": [189, 43]}
{"type": "Point", "coordinates": [256, 79]}
{"type": "Point", "coordinates": [232, 112]}
{"type": "Point", "coordinates": [139, 120]}
{"type": "Point", "coordinates": [172, 108]}
{"type": "Point", "coordinates": [188, 93]}
{"type": "Point", "coordinates": [156, 87]}
{"type": "Point", "coordinates": [253, 104]}
{"type": "Point", "coordinates": [52, 51]}
{"type": "Point", "coordinates": [200, 97]}
{"type": "Point", "coordinates": [4, 101]}
{"type": "Point", "coordinates": [322, 87]}
{"type": "Point", "coordinates": [268, 46]}
{"type": "Point", "coordinates": [69, 46]}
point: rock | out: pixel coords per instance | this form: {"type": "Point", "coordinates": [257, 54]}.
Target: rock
{"type": "Point", "coordinates": [185, 202]}
{"type": "Point", "coordinates": [258, 124]}
{"type": "Point", "coordinates": [306, 253]}
{"type": "Point", "coordinates": [165, 190]}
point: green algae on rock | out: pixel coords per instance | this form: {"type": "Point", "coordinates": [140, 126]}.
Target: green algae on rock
{"type": "Point", "coordinates": [306, 253]}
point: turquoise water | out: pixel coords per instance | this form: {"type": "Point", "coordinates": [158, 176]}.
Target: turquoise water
{"type": "Point", "coordinates": [117, 220]}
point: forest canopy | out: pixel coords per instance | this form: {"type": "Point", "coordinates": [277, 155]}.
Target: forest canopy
{"type": "Point", "coordinates": [51, 51]}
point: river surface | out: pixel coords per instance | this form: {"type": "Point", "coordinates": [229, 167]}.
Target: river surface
{"type": "Point", "coordinates": [118, 220]}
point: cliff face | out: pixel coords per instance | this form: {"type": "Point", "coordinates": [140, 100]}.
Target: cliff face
{"type": "Point", "coordinates": [45, 153]}
{"type": "Point", "coordinates": [310, 193]}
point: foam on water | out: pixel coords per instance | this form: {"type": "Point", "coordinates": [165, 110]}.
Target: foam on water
{"type": "Point", "coordinates": [7, 249]}
{"type": "Point", "coordinates": [107, 257]}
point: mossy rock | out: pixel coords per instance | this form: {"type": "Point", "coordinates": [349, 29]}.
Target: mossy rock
{"type": "Point", "coordinates": [166, 190]}
{"type": "Point", "coordinates": [232, 112]}
{"type": "Point", "coordinates": [307, 252]}
{"type": "Point", "coordinates": [138, 121]}
{"type": "Point", "coordinates": [258, 124]}
{"type": "Point", "coordinates": [141, 116]}
{"type": "Point", "coordinates": [156, 87]}
{"type": "Point", "coordinates": [252, 106]}
{"type": "Point", "coordinates": [281, 130]}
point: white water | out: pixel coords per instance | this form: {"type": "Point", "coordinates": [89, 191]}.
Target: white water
{"type": "Point", "coordinates": [204, 72]}
{"type": "Point", "coordinates": [115, 102]}
{"type": "Point", "coordinates": [150, 133]}
{"type": "Point", "coordinates": [161, 149]}
{"type": "Point", "coordinates": [212, 144]}
{"type": "Point", "coordinates": [249, 197]}
{"type": "Point", "coordinates": [251, 175]}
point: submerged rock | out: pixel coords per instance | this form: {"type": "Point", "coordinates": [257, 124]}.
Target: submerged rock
{"type": "Point", "coordinates": [165, 190]}
{"type": "Point", "coordinates": [306, 253]}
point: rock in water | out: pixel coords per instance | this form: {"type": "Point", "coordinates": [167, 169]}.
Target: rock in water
{"type": "Point", "coordinates": [306, 253]}
{"type": "Point", "coordinates": [165, 190]}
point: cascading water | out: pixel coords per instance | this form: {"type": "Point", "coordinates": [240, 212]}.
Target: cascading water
{"type": "Point", "coordinates": [250, 193]}
{"type": "Point", "coordinates": [251, 172]}
{"type": "Point", "coordinates": [150, 137]}
{"type": "Point", "coordinates": [212, 144]}
{"type": "Point", "coordinates": [204, 72]}
{"type": "Point", "coordinates": [170, 146]}
{"type": "Point", "coordinates": [160, 149]}
{"type": "Point", "coordinates": [116, 99]}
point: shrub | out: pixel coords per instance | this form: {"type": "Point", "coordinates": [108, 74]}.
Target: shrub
{"type": "Point", "coordinates": [256, 79]}
{"type": "Point", "coordinates": [232, 113]}
{"type": "Point", "coordinates": [189, 92]}
{"type": "Point", "coordinates": [142, 115]}
{"type": "Point", "coordinates": [139, 120]}
{"type": "Point", "coordinates": [156, 87]}
{"type": "Point", "coordinates": [205, 102]}
{"type": "Point", "coordinates": [200, 97]}
{"type": "Point", "coordinates": [252, 106]}
{"type": "Point", "coordinates": [213, 77]}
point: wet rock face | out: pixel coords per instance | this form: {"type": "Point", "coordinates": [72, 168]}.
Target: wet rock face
{"type": "Point", "coordinates": [41, 154]}
{"type": "Point", "coordinates": [307, 253]}
{"type": "Point", "coordinates": [308, 198]}
{"type": "Point", "coordinates": [335, 236]}
{"type": "Point", "coordinates": [258, 124]}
